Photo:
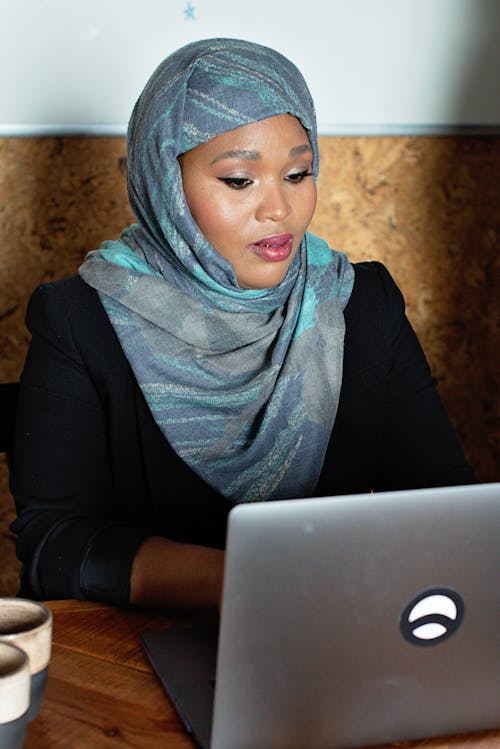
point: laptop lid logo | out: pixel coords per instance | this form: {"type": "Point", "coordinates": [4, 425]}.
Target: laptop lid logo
{"type": "Point", "coordinates": [432, 616]}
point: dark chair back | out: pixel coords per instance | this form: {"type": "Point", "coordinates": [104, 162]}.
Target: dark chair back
{"type": "Point", "coordinates": [9, 392]}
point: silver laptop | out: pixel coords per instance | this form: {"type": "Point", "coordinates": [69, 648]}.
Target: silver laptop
{"type": "Point", "coordinates": [347, 621]}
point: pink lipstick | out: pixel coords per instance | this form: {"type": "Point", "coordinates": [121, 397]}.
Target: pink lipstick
{"type": "Point", "coordinates": [274, 249]}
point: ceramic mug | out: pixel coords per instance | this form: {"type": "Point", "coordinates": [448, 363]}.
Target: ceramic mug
{"type": "Point", "coordinates": [15, 685]}
{"type": "Point", "coordinates": [28, 625]}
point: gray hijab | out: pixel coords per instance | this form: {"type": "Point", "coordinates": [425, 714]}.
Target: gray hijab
{"type": "Point", "coordinates": [243, 383]}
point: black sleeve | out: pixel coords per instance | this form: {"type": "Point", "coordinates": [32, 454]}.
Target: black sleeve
{"type": "Point", "coordinates": [418, 446]}
{"type": "Point", "coordinates": [69, 541]}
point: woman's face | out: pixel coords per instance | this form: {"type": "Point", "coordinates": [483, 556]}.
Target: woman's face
{"type": "Point", "coordinates": [252, 193]}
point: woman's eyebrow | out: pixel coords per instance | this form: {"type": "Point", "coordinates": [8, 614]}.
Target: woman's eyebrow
{"type": "Point", "coordinates": [300, 149]}
{"type": "Point", "coordinates": [243, 153]}
{"type": "Point", "coordinates": [238, 153]}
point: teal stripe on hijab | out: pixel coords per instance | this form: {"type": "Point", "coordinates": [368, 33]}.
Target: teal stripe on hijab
{"type": "Point", "coordinates": [243, 383]}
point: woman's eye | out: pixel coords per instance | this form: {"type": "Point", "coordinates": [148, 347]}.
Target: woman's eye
{"type": "Point", "coordinates": [299, 176]}
{"type": "Point", "coordinates": [236, 183]}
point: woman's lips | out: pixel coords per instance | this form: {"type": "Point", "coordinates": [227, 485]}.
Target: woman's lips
{"type": "Point", "coordinates": [274, 249]}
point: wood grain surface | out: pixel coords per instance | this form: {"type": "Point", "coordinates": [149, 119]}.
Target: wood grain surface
{"type": "Point", "coordinates": [101, 690]}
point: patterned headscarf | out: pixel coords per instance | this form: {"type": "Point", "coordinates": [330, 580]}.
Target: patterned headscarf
{"type": "Point", "coordinates": [243, 383]}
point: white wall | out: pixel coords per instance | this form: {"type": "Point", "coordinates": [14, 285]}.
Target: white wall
{"type": "Point", "coordinates": [374, 66]}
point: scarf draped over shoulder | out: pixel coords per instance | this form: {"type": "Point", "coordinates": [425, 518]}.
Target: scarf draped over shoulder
{"type": "Point", "coordinates": [243, 383]}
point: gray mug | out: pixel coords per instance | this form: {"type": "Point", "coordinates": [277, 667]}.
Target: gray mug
{"type": "Point", "coordinates": [28, 625]}
{"type": "Point", "coordinates": [14, 695]}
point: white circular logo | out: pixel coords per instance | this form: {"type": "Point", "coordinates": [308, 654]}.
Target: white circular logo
{"type": "Point", "coordinates": [432, 616]}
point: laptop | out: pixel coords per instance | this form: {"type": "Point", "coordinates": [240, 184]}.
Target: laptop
{"type": "Point", "coordinates": [346, 621]}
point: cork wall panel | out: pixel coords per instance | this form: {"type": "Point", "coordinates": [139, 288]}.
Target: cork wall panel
{"type": "Point", "coordinates": [427, 207]}
{"type": "Point", "coordinates": [58, 198]}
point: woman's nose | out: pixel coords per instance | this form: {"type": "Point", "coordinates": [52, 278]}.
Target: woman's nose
{"type": "Point", "coordinates": [273, 205]}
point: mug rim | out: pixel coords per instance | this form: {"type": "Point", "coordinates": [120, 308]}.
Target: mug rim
{"type": "Point", "coordinates": [36, 604]}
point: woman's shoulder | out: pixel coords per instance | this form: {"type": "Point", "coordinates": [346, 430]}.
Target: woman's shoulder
{"type": "Point", "coordinates": [374, 278]}
{"type": "Point", "coordinates": [374, 288]}
{"type": "Point", "coordinates": [69, 324]}
{"type": "Point", "coordinates": [69, 312]}
{"type": "Point", "coordinates": [70, 295]}
{"type": "Point", "coordinates": [374, 314]}
{"type": "Point", "coordinates": [71, 289]}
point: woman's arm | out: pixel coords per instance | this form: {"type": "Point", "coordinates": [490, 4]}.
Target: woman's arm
{"type": "Point", "coordinates": [87, 530]}
{"type": "Point", "coordinates": [167, 574]}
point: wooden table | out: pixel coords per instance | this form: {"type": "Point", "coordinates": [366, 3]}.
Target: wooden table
{"type": "Point", "coordinates": [102, 692]}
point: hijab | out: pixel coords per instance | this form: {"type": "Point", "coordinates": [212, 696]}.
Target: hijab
{"type": "Point", "coordinates": [243, 383]}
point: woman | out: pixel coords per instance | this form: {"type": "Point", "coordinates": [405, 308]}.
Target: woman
{"type": "Point", "coordinates": [216, 353]}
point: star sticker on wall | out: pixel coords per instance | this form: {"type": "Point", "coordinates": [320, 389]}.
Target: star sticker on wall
{"type": "Point", "coordinates": [189, 12]}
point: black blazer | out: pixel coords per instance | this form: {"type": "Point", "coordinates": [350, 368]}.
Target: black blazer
{"type": "Point", "coordinates": [93, 476]}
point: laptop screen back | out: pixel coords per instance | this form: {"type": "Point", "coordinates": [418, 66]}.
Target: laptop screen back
{"type": "Point", "coordinates": [359, 620]}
